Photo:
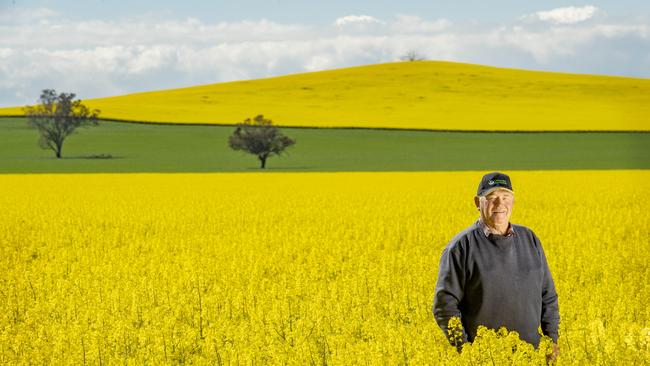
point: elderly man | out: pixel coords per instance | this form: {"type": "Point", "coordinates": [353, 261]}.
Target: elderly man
{"type": "Point", "coordinates": [495, 273]}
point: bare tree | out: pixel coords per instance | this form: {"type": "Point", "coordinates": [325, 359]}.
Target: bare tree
{"type": "Point", "coordinates": [56, 117]}
{"type": "Point", "coordinates": [413, 56]}
{"type": "Point", "coordinates": [259, 137]}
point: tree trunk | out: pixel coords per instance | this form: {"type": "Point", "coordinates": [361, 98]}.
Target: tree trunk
{"type": "Point", "coordinates": [58, 152]}
{"type": "Point", "coordinates": [263, 161]}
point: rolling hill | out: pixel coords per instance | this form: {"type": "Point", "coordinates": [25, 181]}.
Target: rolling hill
{"type": "Point", "coordinates": [406, 95]}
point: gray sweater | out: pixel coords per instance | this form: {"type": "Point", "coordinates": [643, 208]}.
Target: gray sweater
{"type": "Point", "coordinates": [497, 281]}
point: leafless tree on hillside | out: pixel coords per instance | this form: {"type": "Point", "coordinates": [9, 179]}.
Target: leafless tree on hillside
{"type": "Point", "coordinates": [413, 56]}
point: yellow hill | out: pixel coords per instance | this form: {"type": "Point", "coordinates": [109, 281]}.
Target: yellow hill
{"type": "Point", "coordinates": [418, 95]}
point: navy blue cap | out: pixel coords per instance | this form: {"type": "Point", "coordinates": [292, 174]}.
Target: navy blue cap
{"type": "Point", "coordinates": [492, 182]}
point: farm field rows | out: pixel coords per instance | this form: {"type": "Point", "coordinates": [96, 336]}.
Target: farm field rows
{"type": "Point", "coordinates": [292, 268]}
{"type": "Point", "coordinates": [407, 95]}
{"type": "Point", "coordinates": [171, 148]}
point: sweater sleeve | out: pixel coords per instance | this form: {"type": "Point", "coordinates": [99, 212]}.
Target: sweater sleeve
{"type": "Point", "coordinates": [550, 309]}
{"type": "Point", "coordinates": [449, 290]}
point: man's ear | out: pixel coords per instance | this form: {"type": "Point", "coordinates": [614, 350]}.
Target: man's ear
{"type": "Point", "coordinates": [477, 201]}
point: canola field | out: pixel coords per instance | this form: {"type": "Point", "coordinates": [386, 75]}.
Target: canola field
{"type": "Point", "coordinates": [414, 95]}
{"type": "Point", "coordinates": [298, 269]}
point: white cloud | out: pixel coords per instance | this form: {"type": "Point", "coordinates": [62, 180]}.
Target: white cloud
{"type": "Point", "coordinates": [623, 30]}
{"type": "Point", "coordinates": [567, 15]}
{"type": "Point", "coordinates": [148, 59]}
{"type": "Point", "coordinates": [356, 19]}
{"type": "Point", "coordinates": [415, 24]}
{"type": "Point", "coordinates": [556, 43]}
{"type": "Point", "coordinates": [101, 58]}
{"type": "Point", "coordinates": [16, 15]}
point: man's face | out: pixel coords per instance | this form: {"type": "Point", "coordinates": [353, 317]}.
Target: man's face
{"type": "Point", "coordinates": [496, 207]}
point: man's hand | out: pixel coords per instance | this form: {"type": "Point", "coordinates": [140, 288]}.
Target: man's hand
{"type": "Point", "coordinates": [551, 358]}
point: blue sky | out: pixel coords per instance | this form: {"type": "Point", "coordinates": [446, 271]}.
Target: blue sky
{"type": "Point", "coordinates": [117, 47]}
{"type": "Point", "coordinates": [320, 12]}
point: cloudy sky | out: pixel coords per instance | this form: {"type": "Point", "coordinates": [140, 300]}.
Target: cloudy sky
{"type": "Point", "coordinates": [100, 48]}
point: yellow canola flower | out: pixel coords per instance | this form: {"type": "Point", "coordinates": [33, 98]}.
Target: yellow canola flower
{"type": "Point", "coordinates": [413, 95]}
{"type": "Point", "coordinates": [295, 269]}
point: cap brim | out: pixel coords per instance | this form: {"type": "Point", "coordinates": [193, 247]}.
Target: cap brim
{"type": "Point", "coordinates": [495, 189]}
